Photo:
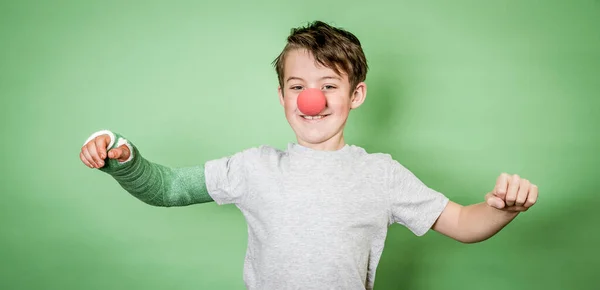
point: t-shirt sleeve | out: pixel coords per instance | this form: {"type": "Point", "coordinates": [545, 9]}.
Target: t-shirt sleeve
{"type": "Point", "coordinates": [413, 204]}
{"type": "Point", "coordinates": [226, 178]}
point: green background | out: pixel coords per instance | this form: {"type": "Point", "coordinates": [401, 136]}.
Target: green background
{"type": "Point", "coordinates": [459, 91]}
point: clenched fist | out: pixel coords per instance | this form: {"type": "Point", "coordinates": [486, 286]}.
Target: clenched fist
{"type": "Point", "coordinates": [512, 193]}
{"type": "Point", "coordinates": [94, 152]}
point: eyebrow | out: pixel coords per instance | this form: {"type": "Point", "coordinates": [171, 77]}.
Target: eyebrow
{"type": "Point", "coordinates": [323, 78]}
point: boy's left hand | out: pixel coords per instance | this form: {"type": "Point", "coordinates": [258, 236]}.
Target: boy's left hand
{"type": "Point", "coordinates": [512, 193]}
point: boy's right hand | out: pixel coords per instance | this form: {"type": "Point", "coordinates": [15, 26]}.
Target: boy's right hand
{"type": "Point", "coordinates": [93, 153]}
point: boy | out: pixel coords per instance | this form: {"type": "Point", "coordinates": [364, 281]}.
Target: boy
{"type": "Point", "coordinates": [317, 212]}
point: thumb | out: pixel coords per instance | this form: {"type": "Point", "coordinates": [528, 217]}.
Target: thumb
{"type": "Point", "coordinates": [114, 153]}
{"type": "Point", "coordinates": [494, 201]}
{"type": "Point", "coordinates": [121, 153]}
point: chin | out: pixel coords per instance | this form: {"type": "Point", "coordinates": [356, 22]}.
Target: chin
{"type": "Point", "coordinates": [314, 131]}
{"type": "Point", "coordinates": [315, 137]}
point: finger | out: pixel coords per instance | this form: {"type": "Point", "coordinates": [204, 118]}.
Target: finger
{"type": "Point", "coordinates": [524, 188]}
{"type": "Point", "coordinates": [94, 153]}
{"type": "Point", "coordinates": [532, 197]}
{"type": "Point", "coordinates": [501, 185]}
{"type": "Point", "coordinates": [494, 201]}
{"type": "Point", "coordinates": [516, 208]}
{"type": "Point", "coordinates": [84, 160]}
{"type": "Point", "coordinates": [125, 153]}
{"type": "Point", "coordinates": [513, 188]}
{"type": "Point", "coordinates": [88, 157]}
{"type": "Point", "coordinates": [101, 144]}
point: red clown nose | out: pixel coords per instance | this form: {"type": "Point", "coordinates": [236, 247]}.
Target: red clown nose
{"type": "Point", "coordinates": [311, 102]}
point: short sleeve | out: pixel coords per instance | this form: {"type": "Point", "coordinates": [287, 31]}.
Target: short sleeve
{"type": "Point", "coordinates": [226, 178]}
{"type": "Point", "coordinates": [413, 204]}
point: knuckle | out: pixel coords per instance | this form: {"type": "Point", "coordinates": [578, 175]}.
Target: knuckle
{"type": "Point", "coordinates": [100, 138]}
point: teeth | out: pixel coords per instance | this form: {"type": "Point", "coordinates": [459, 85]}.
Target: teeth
{"type": "Point", "coordinates": [312, 117]}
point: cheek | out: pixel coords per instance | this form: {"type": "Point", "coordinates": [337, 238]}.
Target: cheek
{"type": "Point", "coordinates": [338, 104]}
{"type": "Point", "coordinates": [289, 103]}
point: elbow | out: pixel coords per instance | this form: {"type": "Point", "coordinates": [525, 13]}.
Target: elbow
{"type": "Point", "coordinates": [157, 199]}
{"type": "Point", "coordinates": [155, 202]}
{"type": "Point", "coordinates": [471, 239]}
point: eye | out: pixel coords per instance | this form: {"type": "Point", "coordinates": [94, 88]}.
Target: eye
{"type": "Point", "coordinates": [296, 88]}
{"type": "Point", "coordinates": [328, 87]}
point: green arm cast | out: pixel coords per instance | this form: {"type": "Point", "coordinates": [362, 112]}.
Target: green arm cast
{"type": "Point", "coordinates": [156, 184]}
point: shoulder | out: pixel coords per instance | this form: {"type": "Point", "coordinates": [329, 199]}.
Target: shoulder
{"type": "Point", "coordinates": [378, 159]}
{"type": "Point", "coordinates": [380, 164]}
{"type": "Point", "coordinates": [262, 151]}
{"type": "Point", "coordinates": [246, 159]}
{"type": "Point", "coordinates": [257, 154]}
{"type": "Point", "coordinates": [252, 153]}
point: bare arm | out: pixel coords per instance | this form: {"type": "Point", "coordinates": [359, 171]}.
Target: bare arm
{"type": "Point", "coordinates": [473, 223]}
{"type": "Point", "coordinates": [478, 222]}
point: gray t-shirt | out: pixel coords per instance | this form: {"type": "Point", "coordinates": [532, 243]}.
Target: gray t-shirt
{"type": "Point", "coordinates": [319, 219]}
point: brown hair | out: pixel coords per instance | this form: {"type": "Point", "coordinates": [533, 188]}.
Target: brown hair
{"type": "Point", "coordinates": [331, 47]}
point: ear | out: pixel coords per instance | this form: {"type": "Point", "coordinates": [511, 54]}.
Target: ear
{"type": "Point", "coordinates": [359, 95]}
{"type": "Point", "coordinates": [280, 93]}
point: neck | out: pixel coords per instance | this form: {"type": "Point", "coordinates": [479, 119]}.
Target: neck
{"type": "Point", "coordinates": [332, 144]}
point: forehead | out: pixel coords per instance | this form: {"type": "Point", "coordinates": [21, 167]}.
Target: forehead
{"type": "Point", "coordinates": [301, 63]}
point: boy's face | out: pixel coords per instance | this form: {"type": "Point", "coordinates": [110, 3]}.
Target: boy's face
{"type": "Point", "coordinates": [302, 72]}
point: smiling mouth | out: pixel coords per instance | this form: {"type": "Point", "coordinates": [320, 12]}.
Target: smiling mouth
{"type": "Point", "coordinates": [318, 117]}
